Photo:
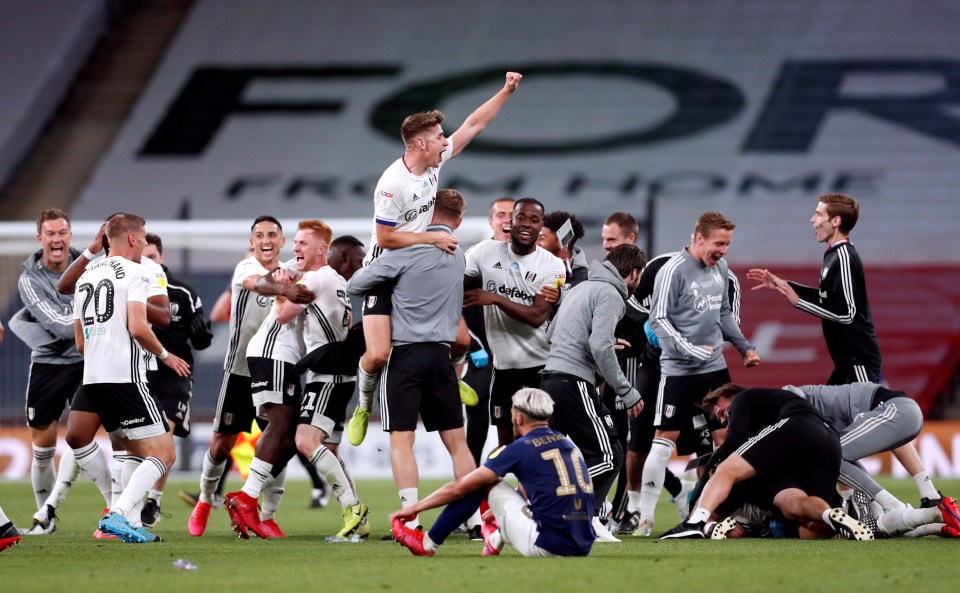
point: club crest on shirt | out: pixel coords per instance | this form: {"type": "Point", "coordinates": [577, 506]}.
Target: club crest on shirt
{"type": "Point", "coordinates": [530, 277]}
{"type": "Point", "coordinates": [669, 411]}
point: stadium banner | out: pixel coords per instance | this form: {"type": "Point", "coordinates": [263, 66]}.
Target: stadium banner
{"type": "Point", "coordinates": [664, 109]}
{"type": "Point", "coordinates": [938, 445]}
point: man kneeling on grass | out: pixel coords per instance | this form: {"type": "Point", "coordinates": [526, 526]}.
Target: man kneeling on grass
{"type": "Point", "coordinates": [555, 521]}
{"type": "Point", "coordinates": [779, 454]}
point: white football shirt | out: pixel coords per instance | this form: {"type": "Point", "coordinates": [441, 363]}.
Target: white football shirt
{"type": "Point", "coordinates": [404, 201]}
{"type": "Point", "coordinates": [327, 317]}
{"type": "Point", "coordinates": [278, 342]}
{"type": "Point", "coordinates": [111, 355]}
{"type": "Point", "coordinates": [514, 344]}
{"type": "Point", "coordinates": [158, 286]}
{"type": "Point", "coordinates": [247, 311]}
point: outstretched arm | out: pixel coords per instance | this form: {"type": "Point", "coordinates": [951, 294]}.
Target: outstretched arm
{"type": "Point", "coordinates": [768, 280]}
{"type": "Point", "coordinates": [481, 118]}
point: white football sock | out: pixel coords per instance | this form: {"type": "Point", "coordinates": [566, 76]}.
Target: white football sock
{"type": "Point", "coordinates": [116, 475]}
{"type": "Point", "coordinates": [42, 473]}
{"type": "Point", "coordinates": [273, 496]}
{"type": "Point", "coordinates": [408, 498]}
{"type": "Point", "coordinates": [699, 515]}
{"type": "Point", "coordinates": [93, 462]}
{"type": "Point", "coordinates": [258, 477]}
{"type": "Point", "coordinates": [139, 481]}
{"type": "Point", "coordinates": [888, 501]}
{"type": "Point", "coordinates": [924, 530]}
{"type": "Point", "coordinates": [130, 467]}
{"type": "Point", "coordinates": [66, 475]}
{"type": "Point", "coordinates": [329, 467]}
{"type": "Point", "coordinates": [653, 472]}
{"type": "Point", "coordinates": [905, 519]}
{"type": "Point", "coordinates": [210, 475]}
{"type": "Point", "coordinates": [367, 385]}
{"type": "Point", "coordinates": [925, 486]}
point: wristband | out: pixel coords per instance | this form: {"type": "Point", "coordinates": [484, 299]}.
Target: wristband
{"type": "Point", "coordinates": [88, 254]}
{"type": "Point", "coordinates": [163, 354]}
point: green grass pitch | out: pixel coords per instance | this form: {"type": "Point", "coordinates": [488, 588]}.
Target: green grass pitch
{"type": "Point", "coordinates": [71, 561]}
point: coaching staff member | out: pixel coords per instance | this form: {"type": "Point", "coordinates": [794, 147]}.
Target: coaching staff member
{"type": "Point", "coordinates": [419, 377]}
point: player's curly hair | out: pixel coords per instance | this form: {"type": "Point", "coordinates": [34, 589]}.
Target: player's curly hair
{"type": "Point", "coordinates": [555, 220]}
{"type": "Point", "coordinates": [725, 390]}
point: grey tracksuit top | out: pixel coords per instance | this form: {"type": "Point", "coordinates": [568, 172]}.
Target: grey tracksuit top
{"type": "Point", "coordinates": [428, 296]}
{"type": "Point", "coordinates": [581, 335]}
{"type": "Point", "coordinates": [689, 309]}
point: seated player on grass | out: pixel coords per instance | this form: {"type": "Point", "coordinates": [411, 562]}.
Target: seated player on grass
{"type": "Point", "coordinates": [555, 520]}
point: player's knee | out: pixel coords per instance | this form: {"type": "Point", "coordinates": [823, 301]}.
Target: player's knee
{"type": "Point", "coordinates": [220, 446]}
{"type": "Point", "coordinates": [76, 440]}
{"type": "Point", "coordinates": [376, 329]}
{"type": "Point", "coordinates": [80, 433]}
{"type": "Point", "coordinates": [911, 415]}
{"type": "Point", "coordinates": [305, 444]}
{"type": "Point", "coordinates": [165, 452]}
{"type": "Point", "coordinates": [169, 457]}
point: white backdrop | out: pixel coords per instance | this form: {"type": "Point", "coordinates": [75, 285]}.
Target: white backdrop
{"type": "Point", "coordinates": [887, 71]}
